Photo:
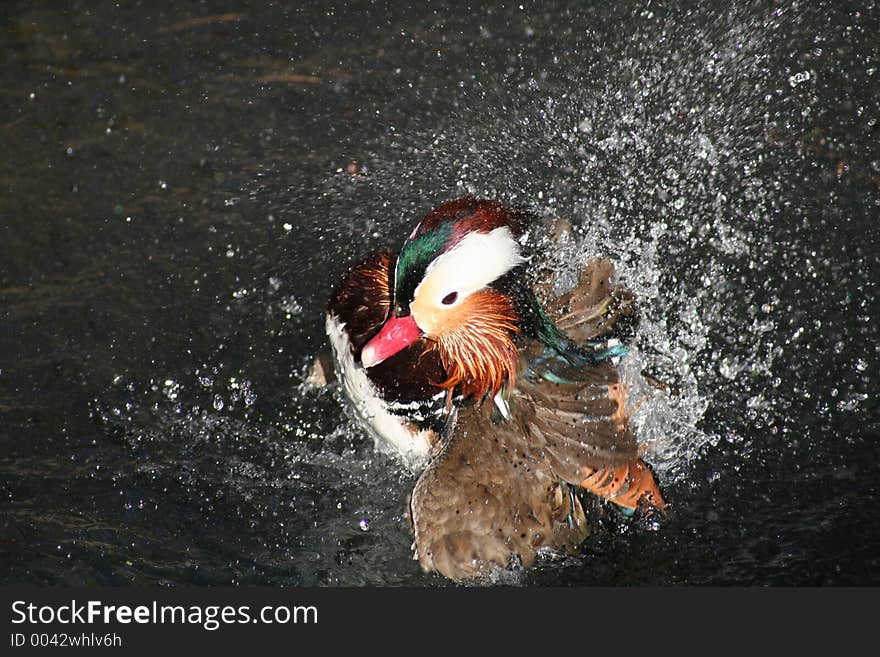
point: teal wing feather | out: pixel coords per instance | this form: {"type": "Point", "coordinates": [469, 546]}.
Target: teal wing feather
{"type": "Point", "coordinates": [593, 321]}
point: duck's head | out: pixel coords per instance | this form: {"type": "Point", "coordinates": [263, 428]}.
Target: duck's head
{"type": "Point", "coordinates": [448, 289]}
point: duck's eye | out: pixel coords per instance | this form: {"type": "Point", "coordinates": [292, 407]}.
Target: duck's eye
{"type": "Point", "coordinates": [450, 298]}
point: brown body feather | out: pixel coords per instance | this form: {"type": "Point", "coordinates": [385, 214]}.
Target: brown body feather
{"type": "Point", "coordinates": [490, 498]}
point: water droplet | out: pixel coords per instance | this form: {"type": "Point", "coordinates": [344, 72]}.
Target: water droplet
{"type": "Point", "coordinates": [171, 389]}
{"type": "Point", "coordinates": [729, 367]}
{"type": "Point", "coordinates": [798, 78]}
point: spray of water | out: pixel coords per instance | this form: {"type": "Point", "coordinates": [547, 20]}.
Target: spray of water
{"type": "Point", "coordinates": [672, 141]}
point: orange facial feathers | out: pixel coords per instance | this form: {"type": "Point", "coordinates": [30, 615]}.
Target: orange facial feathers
{"type": "Point", "coordinates": [476, 345]}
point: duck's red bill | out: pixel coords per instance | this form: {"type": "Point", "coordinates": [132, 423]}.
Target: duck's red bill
{"type": "Point", "coordinates": [397, 334]}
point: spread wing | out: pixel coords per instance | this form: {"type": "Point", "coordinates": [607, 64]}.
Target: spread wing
{"type": "Point", "coordinates": [502, 487]}
{"type": "Point", "coordinates": [581, 415]}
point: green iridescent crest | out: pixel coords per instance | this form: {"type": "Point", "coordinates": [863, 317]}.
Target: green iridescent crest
{"type": "Point", "coordinates": [414, 258]}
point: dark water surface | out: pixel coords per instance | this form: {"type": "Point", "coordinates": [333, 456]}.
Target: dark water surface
{"type": "Point", "coordinates": [184, 182]}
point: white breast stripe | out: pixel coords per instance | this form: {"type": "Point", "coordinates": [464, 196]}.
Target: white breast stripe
{"type": "Point", "coordinates": [390, 433]}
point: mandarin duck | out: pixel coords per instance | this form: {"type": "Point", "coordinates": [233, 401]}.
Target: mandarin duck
{"type": "Point", "coordinates": [505, 398]}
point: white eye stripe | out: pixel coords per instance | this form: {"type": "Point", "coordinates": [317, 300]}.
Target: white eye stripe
{"type": "Point", "coordinates": [471, 265]}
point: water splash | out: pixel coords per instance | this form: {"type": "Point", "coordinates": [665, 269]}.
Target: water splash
{"type": "Point", "coordinates": [686, 144]}
{"type": "Point", "coordinates": [672, 143]}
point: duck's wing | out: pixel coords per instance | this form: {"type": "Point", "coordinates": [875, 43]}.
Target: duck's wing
{"type": "Point", "coordinates": [503, 485]}
{"type": "Point", "coordinates": [489, 500]}
{"type": "Point", "coordinates": [584, 430]}
{"type": "Point", "coordinates": [501, 488]}
{"type": "Point", "coordinates": [580, 413]}
{"type": "Point", "coordinates": [596, 308]}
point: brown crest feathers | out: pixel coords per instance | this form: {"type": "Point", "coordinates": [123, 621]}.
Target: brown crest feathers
{"type": "Point", "coordinates": [363, 298]}
{"type": "Point", "coordinates": [470, 213]}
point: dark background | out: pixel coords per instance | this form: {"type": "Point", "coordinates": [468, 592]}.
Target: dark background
{"type": "Point", "coordinates": [184, 182]}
